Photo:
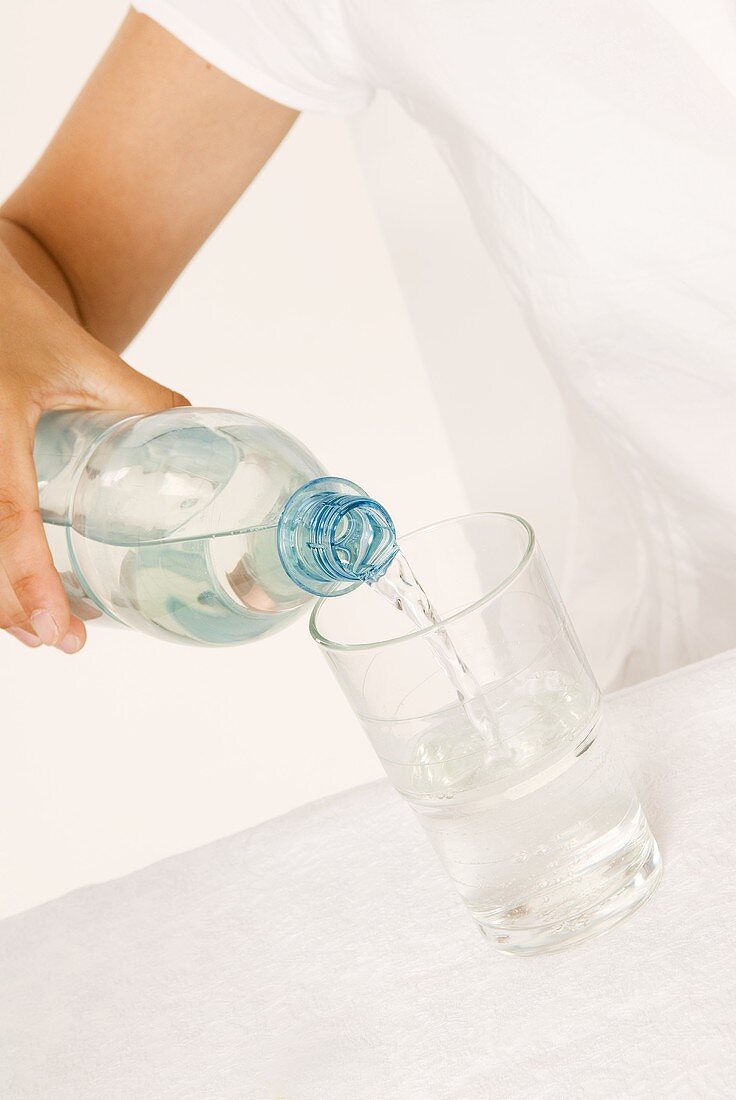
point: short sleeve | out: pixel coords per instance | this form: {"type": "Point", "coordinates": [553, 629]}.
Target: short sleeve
{"type": "Point", "coordinates": [297, 52]}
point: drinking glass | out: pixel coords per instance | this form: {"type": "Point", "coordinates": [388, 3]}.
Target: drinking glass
{"type": "Point", "coordinates": [520, 790]}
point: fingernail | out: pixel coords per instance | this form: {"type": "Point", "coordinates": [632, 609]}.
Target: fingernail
{"type": "Point", "coordinates": [23, 636]}
{"type": "Point", "coordinates": [70, 644]}
{"type": "Point", "coordinates": [46, 629]}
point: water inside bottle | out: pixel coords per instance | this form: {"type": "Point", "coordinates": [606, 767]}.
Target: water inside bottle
{"type": "Point", "coordinates": [223, 590]}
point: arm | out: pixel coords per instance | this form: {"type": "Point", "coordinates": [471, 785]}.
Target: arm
{"type": "Point", "coordinates": [152, 155]}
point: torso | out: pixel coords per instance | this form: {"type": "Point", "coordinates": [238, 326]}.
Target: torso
{"type": "Point", "coordinates": [596, 145]}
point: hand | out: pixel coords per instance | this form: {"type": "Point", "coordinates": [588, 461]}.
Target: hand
{"type": "Point", "coordinates": [47, 361]}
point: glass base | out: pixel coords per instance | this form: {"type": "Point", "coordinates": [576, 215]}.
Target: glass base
{"type": "Point", "coordinates": [584, 926]}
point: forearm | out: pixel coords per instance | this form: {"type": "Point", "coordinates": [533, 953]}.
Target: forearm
{"type": "Point", "coordinates": [153, 153]}
{"type": "Point", "coordinates": [22, 251]}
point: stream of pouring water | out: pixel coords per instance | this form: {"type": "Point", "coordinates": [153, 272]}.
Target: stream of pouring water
{"type": "Point", "coordinates": [403, 591]}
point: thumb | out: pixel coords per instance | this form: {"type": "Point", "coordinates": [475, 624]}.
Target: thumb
{"type": "Point", "coordinates": [120, 386]}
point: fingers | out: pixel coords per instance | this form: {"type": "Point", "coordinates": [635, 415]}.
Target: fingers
{"type": "Point", "coordinates": [119, 386]}
{"type": "Point", "coordinates": [32, 599]}
{"type": "Point", "coordinates": [12, 612]}
{"type": "Point", "coordinates": [74, 638]}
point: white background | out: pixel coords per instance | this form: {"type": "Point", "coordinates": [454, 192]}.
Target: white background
{"type": "Point", "coordinates": [425, 388]}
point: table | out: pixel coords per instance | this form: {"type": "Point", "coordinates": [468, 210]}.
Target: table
{"type": "Point", "coordinates": [324, 955]}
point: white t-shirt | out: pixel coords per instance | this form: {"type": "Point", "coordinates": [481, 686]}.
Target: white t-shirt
{"type": "Point", "coordinates": [595, 142]}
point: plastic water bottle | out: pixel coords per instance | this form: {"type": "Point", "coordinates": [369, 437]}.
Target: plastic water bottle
{"type": "Point", "coordinates": [199, 525]}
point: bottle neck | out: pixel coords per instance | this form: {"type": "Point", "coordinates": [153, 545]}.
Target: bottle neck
{"type": "Point", "coordinates": [332, 537]}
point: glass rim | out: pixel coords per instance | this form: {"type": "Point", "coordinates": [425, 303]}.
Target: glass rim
{"type": "Point", "coordinates": [468, 609]}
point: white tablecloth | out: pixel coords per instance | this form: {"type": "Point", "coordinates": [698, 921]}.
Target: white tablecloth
{"type": "Point", "coordinates": [324, 954]}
